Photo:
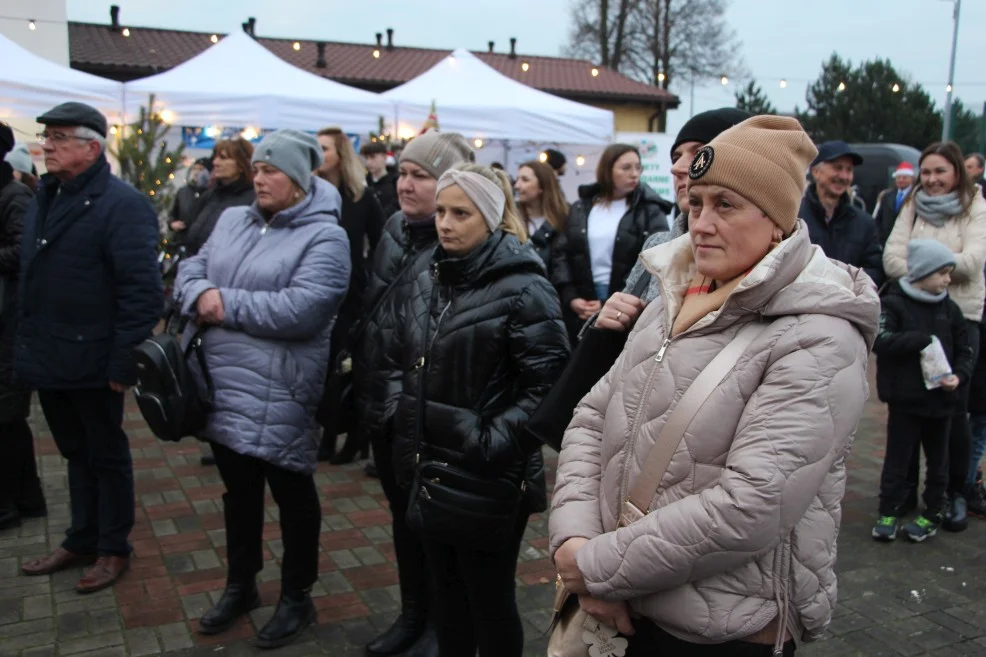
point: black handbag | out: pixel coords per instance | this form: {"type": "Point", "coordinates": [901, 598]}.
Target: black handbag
{"type": "Point", "coordinates": [166, 392]}
{"type": "Point", "coordinates": [454, 506]}
{"type": "Point", "coordinates": [595, 354]}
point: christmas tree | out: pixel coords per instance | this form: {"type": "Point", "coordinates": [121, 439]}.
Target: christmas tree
{"type": "Point", "coordinates": [144, 157]}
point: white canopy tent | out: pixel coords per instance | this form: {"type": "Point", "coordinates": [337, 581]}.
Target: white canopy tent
{"type": "Point", "coordinates": [30, 85]}
{"type": "Point", "coordinates": [238, 82]}
{"type": "Point", "coordinates": [481, 103]}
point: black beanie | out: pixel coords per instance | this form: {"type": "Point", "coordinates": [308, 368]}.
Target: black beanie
{"type": "Point", "coordinates": [706, 126]}
{"type": "Point", "coordinates": [555, 159]}
{"type": "Point", "coordinates": [205, 162]}
{"type": "Point", "coordinates": [6, 139]}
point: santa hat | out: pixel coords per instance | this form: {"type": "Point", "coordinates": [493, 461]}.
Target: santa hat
{"type": "Point", "coordinates": [904, 169]}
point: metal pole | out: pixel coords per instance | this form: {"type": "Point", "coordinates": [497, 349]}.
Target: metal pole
{"type": "Point", "coordinates": [947, 125]}
{"type": "Point", "coordinates": [691, 105]}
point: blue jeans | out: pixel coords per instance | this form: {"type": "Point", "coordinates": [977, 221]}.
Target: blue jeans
{"type": "Point", "coordinates": [977, 424]}
{"type": "Point", "coordinates": [87, 426]}
{"type": "Point", "coordinates": [602, 291]}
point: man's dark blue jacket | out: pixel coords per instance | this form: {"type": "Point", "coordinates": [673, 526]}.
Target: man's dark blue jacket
{"type": "Point", "coordinates": [850, 237]}
{"type": "Point", "coordinates": [90, 287]}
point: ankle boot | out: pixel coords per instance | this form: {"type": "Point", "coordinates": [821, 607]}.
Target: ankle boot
{"type": "Point", "coordinates": [294, 613]}
{"type": "Point", "coordinates": [351, 448]}
{"type": "Point", "coordinates": [426, 645]}
{"type": "Point", "coordinates": [238, 599]}
{"type": "Point", "coordinates": [403, 634]}
{"type": "Point", "coordinates": [956, 514]}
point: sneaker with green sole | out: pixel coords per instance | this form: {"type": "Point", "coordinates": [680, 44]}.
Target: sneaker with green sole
{"type": "Point", "coordinates": [886, 528]}
{"type": "Point", "coordinates": [922, 528]}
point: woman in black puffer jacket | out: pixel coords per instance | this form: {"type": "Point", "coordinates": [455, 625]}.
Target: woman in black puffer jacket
{"type": "Point", "coordinates": [233, 187]}
{"type": "Point", "coordinates": [482, 339]}
{"type": "Point", "coordinates": [605, 232]}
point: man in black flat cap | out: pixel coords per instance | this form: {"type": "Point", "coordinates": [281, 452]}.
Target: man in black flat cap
{"type": "Point", "coordinates": [844, 232]}
{"type": "Point", "coordinates": [90, 292]}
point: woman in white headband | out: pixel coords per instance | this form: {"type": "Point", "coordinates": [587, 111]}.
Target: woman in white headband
{"type": "Point", "coordinates": [482, 340]}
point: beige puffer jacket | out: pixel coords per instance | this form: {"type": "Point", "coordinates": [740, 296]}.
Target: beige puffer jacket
{"type": "Point", "coordinates": [965, 236]}
{"type": "Point", "coordinates": [748, 512]}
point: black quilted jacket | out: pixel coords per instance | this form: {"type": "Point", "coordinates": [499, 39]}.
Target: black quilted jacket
{"type": "Point", "coordinates": [14, 201]}
{"type": "Point", "coordinates": [90, 287]}
{"type": "Point", "coordinates": [404, 251]}
{"type": "Point", "coordinates": [482, 340]}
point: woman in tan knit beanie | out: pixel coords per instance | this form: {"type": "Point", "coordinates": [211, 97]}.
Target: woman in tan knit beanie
{"type": "Point", "coordinates": [726, 544]}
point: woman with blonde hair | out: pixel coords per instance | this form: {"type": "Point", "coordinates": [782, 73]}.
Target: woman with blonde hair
{"type": "Point", "coordinates": [542, 207]}
{"type": "Point", "coordinates": [481, 340]}
{"type": "Point", "coordinates": [362, 218]}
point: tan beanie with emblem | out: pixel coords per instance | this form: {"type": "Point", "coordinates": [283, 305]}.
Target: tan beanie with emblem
{"type": "Point", "coordinates": [437, 152]}
{"type": "Point", "coordinates": [763, 159]}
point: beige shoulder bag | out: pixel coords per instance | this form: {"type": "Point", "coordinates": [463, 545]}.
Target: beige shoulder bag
{"type": "Point", "coordinates": [573, 632]}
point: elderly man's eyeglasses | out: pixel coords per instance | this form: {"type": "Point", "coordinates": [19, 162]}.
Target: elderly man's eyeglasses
{"type": "Point", "coordinates": [57, 138]}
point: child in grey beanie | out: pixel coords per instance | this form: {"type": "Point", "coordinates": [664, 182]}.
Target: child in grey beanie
{"type": "Point", "coordinates": [295, 153]}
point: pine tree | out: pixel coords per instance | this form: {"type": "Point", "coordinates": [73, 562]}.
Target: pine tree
{"type": "Point", "coordinates": [145, 160]}
{"type": "Point", "coordinates": [754, 100]}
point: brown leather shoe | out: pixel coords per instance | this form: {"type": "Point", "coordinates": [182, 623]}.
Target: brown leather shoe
{"type": "Point", "coordinates": [58, 560]}
{"type": "Point", "coordinates": [105, 572]}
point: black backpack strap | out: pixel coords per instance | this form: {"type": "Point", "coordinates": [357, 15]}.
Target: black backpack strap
{"type": "Point", "coordinates": [196, 346]}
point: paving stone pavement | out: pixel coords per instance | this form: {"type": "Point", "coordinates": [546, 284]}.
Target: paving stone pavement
{"type": "Point", "coordinates": [897, 599]}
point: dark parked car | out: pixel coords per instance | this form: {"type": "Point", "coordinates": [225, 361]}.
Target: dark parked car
{"type": "Point", "coordinates": [876, 173]}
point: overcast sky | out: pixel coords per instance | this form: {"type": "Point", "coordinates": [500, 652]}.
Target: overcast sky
{"type": "Point", "coordinates": [782, 39]}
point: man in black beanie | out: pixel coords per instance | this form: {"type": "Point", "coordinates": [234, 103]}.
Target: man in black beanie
{"type": "Point", "coordinates": [557, 161]}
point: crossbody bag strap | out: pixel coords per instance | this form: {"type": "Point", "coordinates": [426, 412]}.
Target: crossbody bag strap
{"type": "Point", "coordinates": [659, 458]}
{"type": "Point", "coordinates": [365, 322]}
{"type": "Point", "coordinates": [195, 345]}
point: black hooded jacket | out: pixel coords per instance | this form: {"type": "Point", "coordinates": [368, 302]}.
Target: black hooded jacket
{"type": "Point", "coordinates": [850, 237]}
{"type": "Point", "coordinates": [647, 213]}
{"type": "Point", "coordinates": [482, 341]}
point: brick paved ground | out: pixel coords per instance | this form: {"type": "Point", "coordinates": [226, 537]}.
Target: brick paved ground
{"type": "Point", "coordinates": [897, 599]}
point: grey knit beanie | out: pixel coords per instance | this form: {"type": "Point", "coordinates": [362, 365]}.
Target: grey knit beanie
{"type": "Point", "coordinates": [925, 257]}
{"type": "Point", "coordinates": [437, 152]}
{"type": "Point", "coordinates": [20, 159]}
{"type": "Point", "coordinates": [295, 153]}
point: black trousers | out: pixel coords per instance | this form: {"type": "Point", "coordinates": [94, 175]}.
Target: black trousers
{"type": "Point", "coordinates": [905, 433]}
{"type": "Point", "coordinates": [87, 426]}
{"type": "Point", "coordinates": [475, 592]}
{"type": "Point", "coordinates": [412, 567]}
{"type": "Point", "coordinates": [20, 486]}
{"type": "Point", "coordinates": [651, 641]}
{"type": "Point", "coordinates": [243, 507]}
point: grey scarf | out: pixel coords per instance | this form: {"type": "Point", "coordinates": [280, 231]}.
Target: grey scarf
{"type": "Point", "coordinates": [936, 209]}
{"type": "Point", "coordinates": [921, 295]}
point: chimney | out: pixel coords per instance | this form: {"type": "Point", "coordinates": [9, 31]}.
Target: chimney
{"type": "Point", "coordinates": [513, 48]}
{"type": "Point", "coordinates": [379, 40]}
{"type": "Point", "coordinates": [390, 38]}
{"type": "Point", "coordinates": [492, 43]}
{"type": "Point", "coordinates": [320, 62]}
{"type": "Point", "coordinates": [115, 17]}
{"type": "Point", "coordinates": [252, 22]}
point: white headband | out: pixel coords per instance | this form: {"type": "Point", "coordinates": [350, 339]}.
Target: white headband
{"type": "Point", "coordinates": [487, 196]}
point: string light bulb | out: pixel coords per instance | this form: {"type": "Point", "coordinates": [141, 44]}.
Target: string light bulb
{"type": "Point", "coordinates": [376, 54]}
{"type": "Point", "coordinates": [151, 193]}
{"type": "Point", "coordinates": [297, 45]}
{"type": "Point", "coordinates": [595, 72]}
{"type": "Point", "coordinates": [168, 116]}
{"type": "Point", "coordinates": [31, 25]}
{"type": "Point", "coordinates": [214, 38]}
{"type": "Point", "coordinates": [126, 31]}
{"type": "Point", "coordinates": [542, 157]}
{"type": "Point", "coordinates": [724, 80]}
{"type": "Point", "coordinates": [525, 67]}
{"type": "Point", "coordinates": [895, 88]}
{"type": "Point", "coordinates": [167, 160]}
{"type": "Point", "coordinates": [783, 84]}
{"type": "Point", "coordinates": [661, 77]}
{"type": "Point", "coordinates": [171, 176]}
{"type": "Point", "coordinates": [579, 161]}
{"type": "Point", "coordinates": [478, 143]}
{"type": "Point", "coordinates": [948, 88]}
{"type": "Point", "coordinates": [842, 86]}
{"type": "Point", "coordinates": [113, 130]}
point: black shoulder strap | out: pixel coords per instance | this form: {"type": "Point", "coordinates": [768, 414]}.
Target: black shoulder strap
{"type": "Point", "coordinates": [640, 288]}
{"type": "Point", "coordinates": [196, 346]}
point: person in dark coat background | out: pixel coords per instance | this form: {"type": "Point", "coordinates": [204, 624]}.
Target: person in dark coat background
{"type": "Point", "coordinates": [975, 165]}
{"type": "Point", "coordinates": [844, 232]}
{"type": "Point", "coordinates": [481, 341]}
{"type": "Point", "coordinates": [21, 495]}
{"type": "Point", "coordinates": [90, 291]}
{"type": "Point", "coordinates": [233, 187]}
{"type": "Point", "coordinates": [890, 201]}
{"type": "Point", "coordinates": [183, 209]}
{"type": "Point", "coordinates": [405, 250]}
{"type": "Point", "coordinates": [363, 219]}
{"type": "Point", "coordinates": [381, 178]}
{"type": "Point", "coordinates": [542, 208]}
{"type": "Point", "coordinates": [606, 230]}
